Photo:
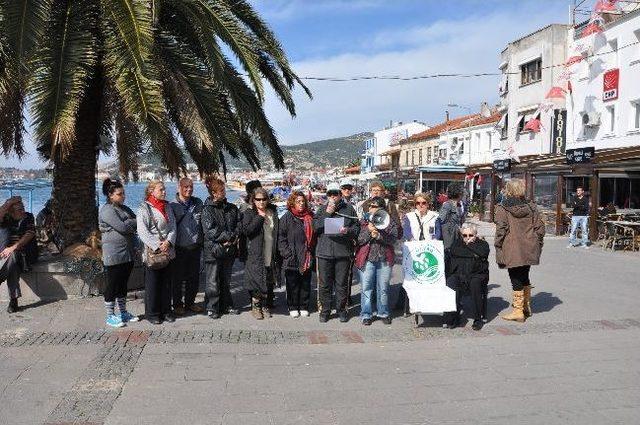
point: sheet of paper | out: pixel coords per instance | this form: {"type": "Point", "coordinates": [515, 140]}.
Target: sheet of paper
{"type": "Point", "coordinates": [332, 226]}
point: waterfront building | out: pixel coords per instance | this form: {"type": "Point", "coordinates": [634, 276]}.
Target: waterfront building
{"type": "Point", "coordinates": [373, 155]}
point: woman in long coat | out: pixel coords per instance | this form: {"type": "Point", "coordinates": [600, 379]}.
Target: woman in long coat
{"type": "Point", "coordinates": [519, 239]}
{"type": "Point", "coordinates": [260, 227]}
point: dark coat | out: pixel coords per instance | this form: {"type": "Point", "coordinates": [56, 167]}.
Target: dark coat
{"type": "Point", "coordinates": [519, 234]}
{"type": "Point", "coordinates": [451, 220]}
{"type": "Point", "coordinates": [220, 223]}
{"type": "Point", "coordinates": [469, 261]}
{"type": "Point", "coordinates": [252, 228]}
{"type": "Point", "coordinates": [392, 209]}
{"type": "Point", "coordinates": [336, 246]}
{"type": "Point", "coordinates": [292, 241]}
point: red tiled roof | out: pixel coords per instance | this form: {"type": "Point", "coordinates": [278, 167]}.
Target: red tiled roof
{"type": "Point", "coordinates": [471, 120]}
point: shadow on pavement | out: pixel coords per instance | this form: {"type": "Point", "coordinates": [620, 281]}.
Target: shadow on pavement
{"type": "Point", "coordinates": [38, 303]}
{"type": "Point", "coordinates": [495, 305]}
{"type": "Point", "coordinates": [543, 302]}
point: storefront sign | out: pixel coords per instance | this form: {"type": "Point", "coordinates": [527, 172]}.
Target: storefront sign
{"type": "Point", "coordinates": [559, 133]}
{"type": "Point", "coordinates": [611, 80]}
{"type": "Point", "coordinates": [580, 156]}
{"type": "Point", "coordinates": [502, 165]}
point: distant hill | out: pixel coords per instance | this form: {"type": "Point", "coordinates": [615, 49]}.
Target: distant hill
{"type": "Point", "coordinates": [307, 156]}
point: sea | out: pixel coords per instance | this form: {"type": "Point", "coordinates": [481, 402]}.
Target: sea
{"type": "Point", "coordinates": [34, 199]}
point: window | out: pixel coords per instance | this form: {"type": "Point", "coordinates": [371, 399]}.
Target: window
{"type": "Point", "coordinates": [443, 153]}
{"type": "Point", "coordinates": [611, 119]}
{"type": "Point", "coordinates": [413, 157]}
{"type": "Point", "coordinates": [420, 157]}
{"type": "Point", "coordinates": [635, 115]}
{"type": "Point", "coordinates": [428, 155]}
{"type": "Point", "coordinates": [406, 158]}
{"type": "Point", "coordinates": [521, 124]}
{"type": "Point", "coordinates": [531, 72]}
{"type": "Point", "coordinates": [504, 131]}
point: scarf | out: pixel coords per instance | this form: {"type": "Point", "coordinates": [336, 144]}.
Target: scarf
{"type": "Point", "coordinates": [159, 205]}
{"type": "Point", "coordinates": [309, 238]}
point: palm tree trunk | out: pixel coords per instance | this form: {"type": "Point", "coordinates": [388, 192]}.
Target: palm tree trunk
{"type": "Point", "coordinates": [74, 177]}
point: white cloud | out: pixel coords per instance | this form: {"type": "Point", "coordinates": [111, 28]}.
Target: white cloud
{"type": "Point", "coordinates": [285, 10]}
{"type": "Point", "coordinates": [448, 46]}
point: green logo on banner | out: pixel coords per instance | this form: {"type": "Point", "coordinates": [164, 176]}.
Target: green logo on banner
{"type": "Point", "coordinates": [426, 266]}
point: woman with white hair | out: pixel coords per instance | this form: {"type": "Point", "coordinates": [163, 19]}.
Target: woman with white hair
{"type": "Point", "coordinates": [469, 272]}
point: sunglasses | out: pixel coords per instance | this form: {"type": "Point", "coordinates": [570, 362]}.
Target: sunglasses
{"type": "Point", "coordinates": [347, 187]}
{"type": "Point", "coordinates": [467, 235]}
{"type": "Point", "coordinates": [421, 203]}
{"type": "Point", "coordinates": [333, 193]}
{"type": "Point", "coordinates": [260, 199]}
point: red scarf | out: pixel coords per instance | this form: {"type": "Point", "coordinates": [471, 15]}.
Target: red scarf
{"type": "Point", "coordinates": [159, 205]}
{"type": "Point", "coordinates": [307, 217]}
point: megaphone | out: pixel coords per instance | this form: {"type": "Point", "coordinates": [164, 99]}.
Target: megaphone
{"type": "Point", "coordinates": [380, 219]}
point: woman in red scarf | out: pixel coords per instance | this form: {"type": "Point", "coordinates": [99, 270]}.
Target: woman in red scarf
{"type": "Point", "coordinates": [156, 226]}
{"type": "Point", "coordinates": [296, 243]}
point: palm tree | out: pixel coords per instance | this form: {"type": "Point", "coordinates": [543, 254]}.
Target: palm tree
{"type": "Point", "coordinates": [134, 75]}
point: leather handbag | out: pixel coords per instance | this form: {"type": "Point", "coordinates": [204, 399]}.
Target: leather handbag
{"type": "Point", "coordinates": [156, 260]}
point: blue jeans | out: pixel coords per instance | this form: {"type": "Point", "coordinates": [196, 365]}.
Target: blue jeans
{"type": "Point", "coordinates": [582, 221]}
{"type": "Point", "coordinates": [375, 274]}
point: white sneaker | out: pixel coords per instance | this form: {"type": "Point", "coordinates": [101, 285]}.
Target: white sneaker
{"type": "Point", "coordinates": [585, 246]}
{"type": "Point", "coordinates": [304, 313]}
{"type": "Point", "coordinates": [570, 246]}
{"type": "Point", "coordinates": [294, 313]}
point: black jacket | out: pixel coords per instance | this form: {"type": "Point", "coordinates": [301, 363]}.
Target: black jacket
{"type": "Point", "coordinates": [336, 246]}
{"type": "Point", "coordinates": [469, 261]}
{"type": "Point", "coordinates": [253, 230]}
{"type": "Point", "coordinates": [291, 241]}
{"type": "Point", "coordinates": [220, 223]}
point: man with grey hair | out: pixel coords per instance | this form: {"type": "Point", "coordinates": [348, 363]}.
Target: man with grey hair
{"type": "Point", "coordinates": [469, 272]}
{"type": "Point", "coordinates": [188, 211]}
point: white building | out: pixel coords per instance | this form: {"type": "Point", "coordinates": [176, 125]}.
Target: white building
{"type": "Point", "coordinates": [530, 66]}
{"type": "Point", "coordinates": [607, 118]}
{"type": "Point", "coordinates": [372, 157]}
{"type": "Point", "coordinates": [472, 142]}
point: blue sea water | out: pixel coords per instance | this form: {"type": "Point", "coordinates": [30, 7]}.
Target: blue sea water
{"type": "Point", "coordinates": [133, 191]}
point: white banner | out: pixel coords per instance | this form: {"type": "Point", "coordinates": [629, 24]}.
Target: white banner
{"type": "Point", "coordinates": [424, 280]}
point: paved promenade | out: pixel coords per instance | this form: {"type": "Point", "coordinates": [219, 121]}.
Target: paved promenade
{"type": "Point", "coordinates": [576, 361]}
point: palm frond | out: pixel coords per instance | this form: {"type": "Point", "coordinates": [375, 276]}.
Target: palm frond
{"type": "Point", "coordinates": [63, 68]}
{"type": "Point", "coordinates": [22, 26]}
{"type": "Point", "coordinates": [211, 21]}
{"type": "Point", "coordinates": [128, 38]}
{"type": "Point", "coordinates": [129, 144]}
{"type": "Point", "coordinates": [246, 14]}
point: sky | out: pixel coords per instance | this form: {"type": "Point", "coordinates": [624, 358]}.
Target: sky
{"type": "Point", "coordinates": [347, 38]}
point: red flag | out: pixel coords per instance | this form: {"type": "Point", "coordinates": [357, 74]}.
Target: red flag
{"type": "Point", "coordinates": [533, 125]}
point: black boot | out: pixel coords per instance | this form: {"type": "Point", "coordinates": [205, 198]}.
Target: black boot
{"type": "Point", "coordinates": [13, 306]}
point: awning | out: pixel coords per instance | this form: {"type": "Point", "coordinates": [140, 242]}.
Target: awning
{"type": "Point", "coordinates": [503, 120]}
{"type": "Point", "coordinates": [503, 65]}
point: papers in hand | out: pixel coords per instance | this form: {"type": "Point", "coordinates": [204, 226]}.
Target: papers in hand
{"type": "Point", "coordinates": [332, 226]}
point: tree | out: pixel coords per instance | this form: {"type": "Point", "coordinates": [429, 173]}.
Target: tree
{"type": "Point", "coordinates": [134, 75]}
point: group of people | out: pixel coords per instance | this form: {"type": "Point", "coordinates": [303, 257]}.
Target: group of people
{"type": "Point", "coordinates": [177, 236]}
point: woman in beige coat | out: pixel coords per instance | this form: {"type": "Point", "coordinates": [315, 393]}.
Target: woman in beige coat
{"type": "Point", "coordinates": [519, 239]}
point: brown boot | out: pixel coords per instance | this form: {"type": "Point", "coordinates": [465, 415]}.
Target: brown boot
{"type": "Point", "coordinates": [517, 314]}
{"type": "Point", "coordinates": [527, 301]}
{"type": "Point", "coordinates": [256, 309]}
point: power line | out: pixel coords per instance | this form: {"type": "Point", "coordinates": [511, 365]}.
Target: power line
{"type": "Point", "coordinates": [449, 75]}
